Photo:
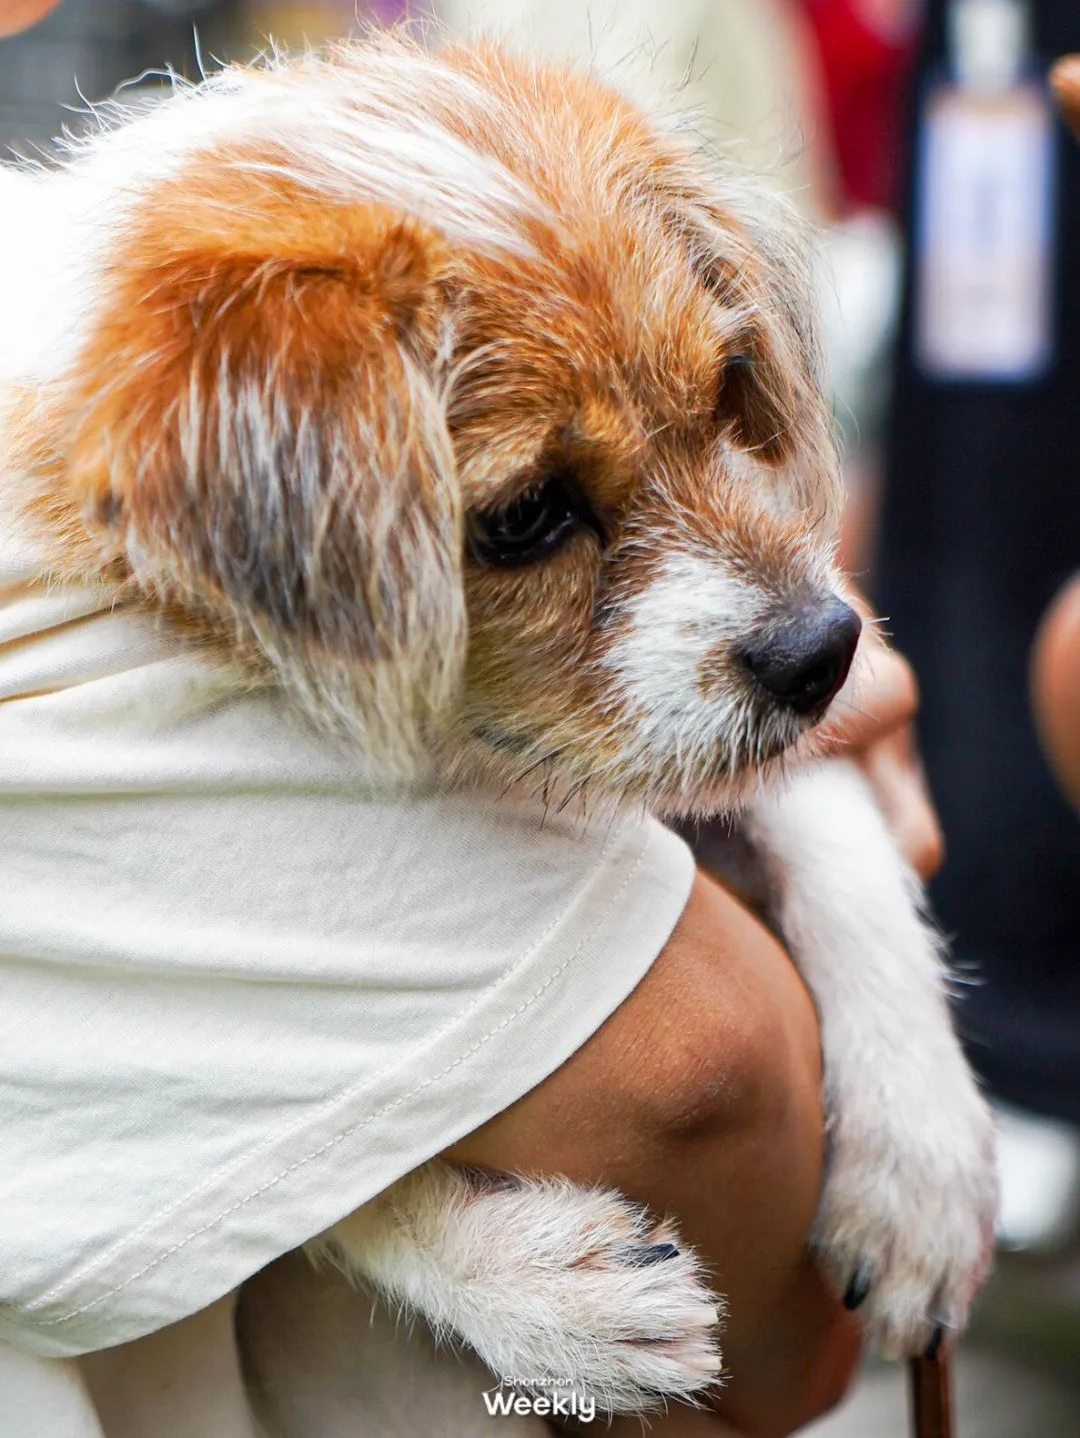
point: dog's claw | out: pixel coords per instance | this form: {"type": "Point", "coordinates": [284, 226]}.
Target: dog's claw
{"type": "Point", "coordinates": [859, 1287]}
{"type": "Point", "coordinates": [655, 1253]}
{"type": "Point", "coordinates": [933, 1348]}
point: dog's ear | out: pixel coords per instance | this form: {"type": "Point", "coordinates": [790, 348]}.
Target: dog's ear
{"type": "Point", "coordinates": [754, 257]}
{"type": "Point", "coordinates": [255, 430]}
{"type": "Point", "coordinates": [760, 398]}
{"type": "Point", "coordinates": [1065, 79]}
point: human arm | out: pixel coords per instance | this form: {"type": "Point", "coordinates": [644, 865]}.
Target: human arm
{"type": "Point", "coordinates": [701, 1095]}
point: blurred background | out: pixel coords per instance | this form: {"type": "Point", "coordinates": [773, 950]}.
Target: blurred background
{"type": "Point", "coordinates": [919, 135]}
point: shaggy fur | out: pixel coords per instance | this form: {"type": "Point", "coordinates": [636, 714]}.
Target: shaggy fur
{"type": "Point", "coordinates": [306, 337]}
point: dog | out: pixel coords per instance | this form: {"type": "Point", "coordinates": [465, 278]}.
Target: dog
{"type": "Point", "coordinates": [485, 417]}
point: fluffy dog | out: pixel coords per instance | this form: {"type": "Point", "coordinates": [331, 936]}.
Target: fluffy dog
{"type": "Point", "coordinates": [486, 418]}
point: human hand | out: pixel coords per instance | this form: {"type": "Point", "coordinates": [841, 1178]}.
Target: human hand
{"type": "Point", "coordinates": [876, 727]}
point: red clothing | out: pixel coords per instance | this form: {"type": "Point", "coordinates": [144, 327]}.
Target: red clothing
{"type": "Point", "coordinates": [866, 51]}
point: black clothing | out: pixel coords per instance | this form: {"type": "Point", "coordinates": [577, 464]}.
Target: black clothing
{"type": "Point", "coordinates": [981, 527]}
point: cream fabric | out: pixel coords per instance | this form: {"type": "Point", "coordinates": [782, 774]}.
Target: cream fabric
{"type": "Point", "coordinates": [296, 1354]}
{"type": "Point", "coordinates": [240, 993]}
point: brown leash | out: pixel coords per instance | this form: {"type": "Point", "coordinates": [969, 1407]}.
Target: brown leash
{"type": "Point", "coordinates": [931, 1396]}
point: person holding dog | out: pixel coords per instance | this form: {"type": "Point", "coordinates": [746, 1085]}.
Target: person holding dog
{"type": "Point", "coordinates": [704, 1080]}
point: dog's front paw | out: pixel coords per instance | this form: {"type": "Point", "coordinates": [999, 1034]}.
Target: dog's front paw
{"type": "Point", "coordinates": [557, 1287]}
{"type": "Point", "coordinates": [907, 1215]}
{"type": "Point", "coordinates": [618, 1309]}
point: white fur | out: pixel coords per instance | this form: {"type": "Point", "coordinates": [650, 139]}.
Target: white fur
{"type": "Point", "coordinates": [691, 609]}
{"type": "Point", "coordinates": [51, 244]}
{"type": "Point", "coordinates": [341, 130]}
{"type": "Point", "coordinates": [539, 1277]}
{"type": "Point", "coordinates": [910, 1190]}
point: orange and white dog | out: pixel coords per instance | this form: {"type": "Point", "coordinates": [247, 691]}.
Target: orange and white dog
{"type": "Point", "coordinates": [486, 417]}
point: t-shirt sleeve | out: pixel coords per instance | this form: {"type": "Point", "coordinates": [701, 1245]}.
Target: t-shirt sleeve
{"type": "Point", "coordinates": [242, 992]}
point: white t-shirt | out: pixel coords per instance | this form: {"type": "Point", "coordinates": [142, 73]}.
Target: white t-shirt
{"type": "Point", "coordinates": [239, 994]}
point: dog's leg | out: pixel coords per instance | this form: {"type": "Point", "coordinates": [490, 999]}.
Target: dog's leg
{"type": "Point", "coordinates": [908, 1203]}
{"type": "Point", "coordinates": [557, 1287]}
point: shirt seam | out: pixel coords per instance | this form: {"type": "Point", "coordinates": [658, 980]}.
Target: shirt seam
{"type": "Point", "coordinates": [356, 1127]}
{"type": "Point", "coordinates": [329, 1103]}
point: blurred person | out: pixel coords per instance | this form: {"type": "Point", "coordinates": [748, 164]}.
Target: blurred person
{"type": "Point", "coordinates": [1056, 664]}
{"type": "Point", "coordinates": [866, 49]}
{"type": "Point", "coordinates": [980, 528]}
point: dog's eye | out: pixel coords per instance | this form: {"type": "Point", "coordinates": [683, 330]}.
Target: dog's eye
{"type": "Point", "coordinates": [737, 383]}
{"type": "Point", "coordinates": [748, 410]}
{"type": "Point", "coordinates": [737, 365]}
{"type": "Point", "coordinates": [535, 525]}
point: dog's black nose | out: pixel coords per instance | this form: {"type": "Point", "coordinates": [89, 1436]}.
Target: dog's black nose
{"type": "Point", "coordinates": [803, 660]}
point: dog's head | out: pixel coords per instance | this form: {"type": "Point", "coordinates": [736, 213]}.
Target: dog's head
{"type": "Point", "coordinates": [473, 400]}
